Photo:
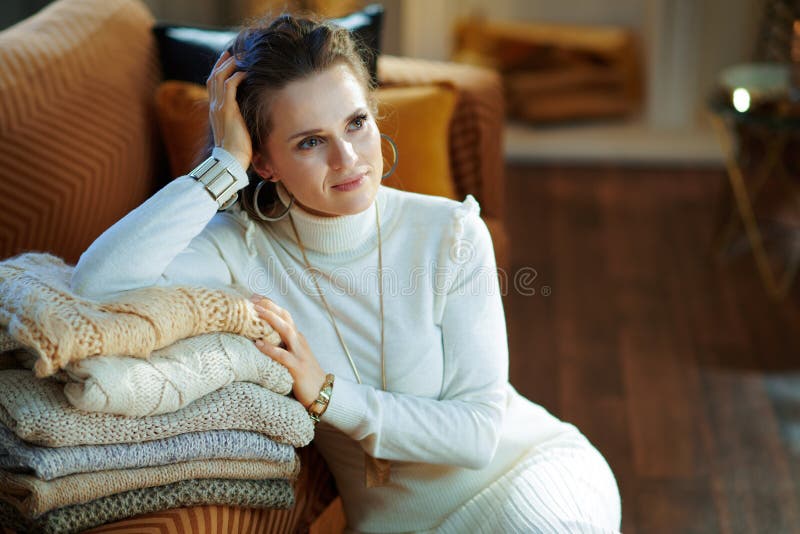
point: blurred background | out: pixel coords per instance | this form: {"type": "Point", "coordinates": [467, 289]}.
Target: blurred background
{"type": "Point", "coordinates": [651, 200]}
{"type": "Point", "coordinates": [680, 47]}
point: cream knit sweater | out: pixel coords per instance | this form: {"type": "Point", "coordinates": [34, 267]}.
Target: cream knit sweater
{"type": "Point", "coordinates": [172, 377]}
{"type": "Point", "coordinates": [168, 380]}
{"type": "Point", "coordinates": [450, 422]}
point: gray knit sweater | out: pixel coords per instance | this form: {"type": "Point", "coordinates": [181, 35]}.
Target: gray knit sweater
{"type": "Point", "coordinates": [270, 493]}
{"type": "Point", "coordinates": [48, 463]}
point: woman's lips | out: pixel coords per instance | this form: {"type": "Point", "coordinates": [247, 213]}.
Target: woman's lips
{"type": "Point", "coordinates": [352, 184]}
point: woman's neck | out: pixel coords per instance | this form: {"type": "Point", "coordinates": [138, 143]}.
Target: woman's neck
{"type": "Point", "coordinates": [332, 234]}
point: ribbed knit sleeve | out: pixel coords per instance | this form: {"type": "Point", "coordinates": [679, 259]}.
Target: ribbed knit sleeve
{"type": "Point", "coordinates": [159, 242]}
{"type": "Point", "coordinates": [463, 426]}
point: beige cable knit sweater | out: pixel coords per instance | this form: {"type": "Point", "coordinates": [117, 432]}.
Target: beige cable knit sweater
{"type": "Point", "coordinates": [39, 310]}
{"type": "Point", "coordinates": [172, 377]}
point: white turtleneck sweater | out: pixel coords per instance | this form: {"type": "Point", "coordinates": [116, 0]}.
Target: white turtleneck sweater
{"type": "Point", "coordinates": [450, 421]}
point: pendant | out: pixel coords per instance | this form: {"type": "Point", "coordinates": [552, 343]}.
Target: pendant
{"type": "Point", "coordinates": [378, 471]}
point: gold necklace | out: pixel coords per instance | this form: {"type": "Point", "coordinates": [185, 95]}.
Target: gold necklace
{"type": "Point", "coordinates": [377, 471]}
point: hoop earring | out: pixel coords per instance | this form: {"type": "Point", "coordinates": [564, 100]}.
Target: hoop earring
{"type": "Point", "coordinates": [394, 152]}
{"type": "Point", "coordinates": [258, 211]}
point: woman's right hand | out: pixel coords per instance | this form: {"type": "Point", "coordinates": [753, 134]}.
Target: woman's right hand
{"type": "Point", "coordinates": [227, 123]}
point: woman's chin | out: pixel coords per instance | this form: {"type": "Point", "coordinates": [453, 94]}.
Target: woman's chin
{"type": "Point", "coordinates": [353, 202]}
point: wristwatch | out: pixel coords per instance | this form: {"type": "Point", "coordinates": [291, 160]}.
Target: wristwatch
{"type": "Point", "coordinates": [218, 180]}
{"type": "Point", "coordinates": [319, 406]}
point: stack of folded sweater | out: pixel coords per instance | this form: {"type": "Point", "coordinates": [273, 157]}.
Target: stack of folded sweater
{"type": "Point", "coordinates": [204, 418]}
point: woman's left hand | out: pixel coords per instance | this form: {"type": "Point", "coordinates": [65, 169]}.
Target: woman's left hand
{"type": "Point", "coordinates": [297, 357]}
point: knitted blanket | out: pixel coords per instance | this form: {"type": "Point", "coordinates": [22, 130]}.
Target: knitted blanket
{"type": "Point", "coordinates": [33, 496]}
{"type": "Point", "coordinates": [39, 311]}
{"type": "Point", "coordinates": [48, 463]}
{"type": "Point", "coordinates": [37, 411]}
{"type": "Point", "coordinates": [172, 377]}
{"type": "Point", "coordinates": [71, 519]}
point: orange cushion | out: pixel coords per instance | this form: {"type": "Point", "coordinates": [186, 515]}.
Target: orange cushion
{"type": "Point", "coordinates": [77, 137]}
{"type": "Point", "coordinates": [416, 117]}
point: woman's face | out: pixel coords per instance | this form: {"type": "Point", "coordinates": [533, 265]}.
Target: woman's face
{"type": "Point", "coordinates": [324, 146]}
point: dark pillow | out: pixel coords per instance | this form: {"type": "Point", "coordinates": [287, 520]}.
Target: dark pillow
{"type": "Point", "coordinates": [189, 52]}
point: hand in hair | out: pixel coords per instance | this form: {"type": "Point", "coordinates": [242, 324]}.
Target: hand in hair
{"type": "Point", "coordinates": [227, 123]}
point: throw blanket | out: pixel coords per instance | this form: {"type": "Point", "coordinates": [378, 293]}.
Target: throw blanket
{"type": "Point", "coordinates": [172, 377]}
{"type": "Point", "coordinates": [72, 519]}
{"type": "Point", "coordinates": [39, 311]}
{"type": "Point", "coordinates": [33, 496]}
{"type": "Point", "coordinates": [48, 463]}
{"type": "Point", "coordinates": [37, 411]}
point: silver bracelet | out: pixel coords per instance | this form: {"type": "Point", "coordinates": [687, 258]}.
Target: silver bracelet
{"type": "Point", "coordinates": [218, 181]}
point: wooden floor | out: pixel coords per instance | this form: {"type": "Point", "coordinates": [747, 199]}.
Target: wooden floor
{"type": "Point", "coordinates": [677, 367]}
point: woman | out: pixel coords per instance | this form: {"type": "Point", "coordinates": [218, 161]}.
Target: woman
{"type": "Point", "coordinates": [387, 302]}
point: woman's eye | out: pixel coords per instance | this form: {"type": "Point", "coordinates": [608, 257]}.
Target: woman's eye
{"type": "Point", "coordinates": [309, 142]}
{"type": "Point", "coordinates": [358, 122]}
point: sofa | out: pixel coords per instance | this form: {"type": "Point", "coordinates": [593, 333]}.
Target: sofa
{"type": "Point", "coordinates": [82, 143]}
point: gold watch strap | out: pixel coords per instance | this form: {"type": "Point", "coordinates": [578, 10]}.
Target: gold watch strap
{"type": "Point", "coordinates": [319, 405]}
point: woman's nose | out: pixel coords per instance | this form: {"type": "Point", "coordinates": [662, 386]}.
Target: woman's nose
{"type": "Point", "coordinates": [342, 155]}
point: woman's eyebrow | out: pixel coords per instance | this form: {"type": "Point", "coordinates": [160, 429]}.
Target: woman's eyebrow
{"type": "Point", "coordinates": [356, 113]}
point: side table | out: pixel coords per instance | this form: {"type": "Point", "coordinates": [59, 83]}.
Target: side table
{"type": "Point", "coordinates": [773, 121]}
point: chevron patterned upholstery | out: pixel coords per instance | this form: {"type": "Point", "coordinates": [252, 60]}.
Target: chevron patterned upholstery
{"type": "Point", "coordinates": [77, 127]}
{"type": "Point", "coordinates": [195, 519]}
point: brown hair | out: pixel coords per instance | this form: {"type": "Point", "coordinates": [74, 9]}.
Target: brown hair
{"type": "Point", "coordinates": [274, 54]}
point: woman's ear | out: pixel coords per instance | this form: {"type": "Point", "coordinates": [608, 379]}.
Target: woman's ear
{"type": "Point", "coordinates": [263, 168]}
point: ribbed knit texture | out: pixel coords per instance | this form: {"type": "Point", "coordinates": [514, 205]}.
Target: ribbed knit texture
{"type": "Point", "coordinates": [41, 312]}
{"type": "Point", "coordinates": [33, 496]}
{"type": "Point", "coordinates": [37, 411]}
{"type": "Point", "coordinates": [48, 463]}
{"type": "Point", "coordinates": [70, 519]}
{"type": "Point", "coordinates": [558, 487]}
{"type": "Point", "coordinates": [173, 376]}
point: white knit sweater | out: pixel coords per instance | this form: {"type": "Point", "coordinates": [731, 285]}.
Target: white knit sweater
{"type": "Point", "coordinates": [450, 422]}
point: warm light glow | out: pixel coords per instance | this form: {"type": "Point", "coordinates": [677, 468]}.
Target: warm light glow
{"type": "Point", "coordinates": [741, 100]}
